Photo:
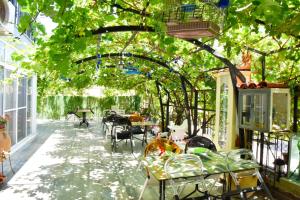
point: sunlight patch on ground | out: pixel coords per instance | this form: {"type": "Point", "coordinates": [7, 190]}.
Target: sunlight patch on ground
{"type": "Point", "coordinates": [75, 163]}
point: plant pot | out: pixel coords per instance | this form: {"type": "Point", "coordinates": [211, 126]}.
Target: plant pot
{"type": "Point", "coordinates": [2, 126]}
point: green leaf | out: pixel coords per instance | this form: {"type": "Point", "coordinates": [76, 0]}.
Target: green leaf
{"type": "Point", "coordinates": [24, 23]}
{"type": "Point", "coordinates": [109, 18]}
{"type": "Point", "coordinates": [17, 57]}
{"type": "Point", "coordinates": [169, 40]}
{"type": "Point", "coordinates": [256, 2]}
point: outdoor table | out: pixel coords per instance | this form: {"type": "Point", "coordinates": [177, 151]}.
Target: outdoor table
{"type": "Point", "coordinates": [213, 163]}
{"type": "Point", "coordinates": [84, 120]}
{"type": "Point", "coordinates": [145, 124]}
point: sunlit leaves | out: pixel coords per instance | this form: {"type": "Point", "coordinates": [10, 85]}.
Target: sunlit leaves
{"type": "Point", "coordinates": [265, 25]}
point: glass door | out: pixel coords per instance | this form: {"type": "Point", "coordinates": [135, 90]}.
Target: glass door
{"type": "Point", "coordinates": [260, 111]}
{"type": "Point", "coordinates": [246, 110]}
{"type": "Point", "coordinates": [223, 124]}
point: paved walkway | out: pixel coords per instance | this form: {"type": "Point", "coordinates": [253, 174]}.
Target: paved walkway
{"type": "Point", "coordinates": [67, 162]}
{"type": "Point", "coordinates": [77, 163]}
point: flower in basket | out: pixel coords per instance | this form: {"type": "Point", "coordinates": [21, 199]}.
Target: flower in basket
{"type": "Point", "coordinates": [3, 121]}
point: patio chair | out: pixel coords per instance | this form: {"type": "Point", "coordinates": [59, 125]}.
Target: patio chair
{"type": "Point", "coordinates": [212, 183]}
{"type": "Point", "coordinates": [157, 147]}
{"type": "Point", "coordinates": [72, 114]}
{"type": "Point", "coordinates": [107, 122]}
{"type": "Point", "coordinates": [200, 141]}
{"type": "Point", "coordinates": [244, 183]}
{"type": "Point", "coordinates": [187, 165]}
{"type": "Point", "coordinates": [138, 130]}
{"type": "Point", "coordinates": [121, 131]}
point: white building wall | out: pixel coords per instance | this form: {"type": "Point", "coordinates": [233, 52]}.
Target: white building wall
{"type": "Point", "coordinates": [17, 92]}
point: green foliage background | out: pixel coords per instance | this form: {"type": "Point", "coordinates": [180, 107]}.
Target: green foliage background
{"type": "Point", "coordinates": [57, 107]}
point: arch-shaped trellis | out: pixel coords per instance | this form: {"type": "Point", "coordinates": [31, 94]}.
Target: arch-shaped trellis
{"type": "Point", "coordinates": [183, 80]}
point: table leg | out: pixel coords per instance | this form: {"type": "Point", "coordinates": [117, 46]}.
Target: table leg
{"type": "Point", "coordinates": [145, 136]}
{"type": "Point", "coordinates": [162, 188]}
{"type": "Point", "coordinates": [84, 117]}
{"type": "Point", "coordinates": [84, 120]}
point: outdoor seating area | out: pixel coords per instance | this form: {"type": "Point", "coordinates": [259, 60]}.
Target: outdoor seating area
{"type": "Point", "coordinates": [147, 100]}
{"type": "Point", "coordinates": [104, 173]}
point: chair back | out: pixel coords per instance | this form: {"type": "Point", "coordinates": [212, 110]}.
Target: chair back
{"type": "Point", "coordinates": [123, 121]}
{"type": "Point", "coordinates": [200, 141]}
{"type": "Point", "coordinates": [183, 165]}
{"type": "Point", "coordinates": [109, 117]}
{"type": "Point", "coordinates": [242, 179]}
{"type": "Point", "coordinates": [160, 145]}
{"type": "Point", "coordinates": [136, 118]}
{"type": "Point", "coordinates": [237, 155]}
{"type": "Point", "coordinates": [135, 130]}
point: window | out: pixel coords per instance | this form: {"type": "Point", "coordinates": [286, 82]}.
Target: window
{"type": "Point", "coordinates": [21, 124]}
{"type": "Point", "coordinates": [22, 92]}
{"type": "Point", "coordinates": [10, 91]}
{"type": "Point", "coordinates": [16, 94]}
{"type": "Point", "coordinates": [1, 89]}
{"type": "Point", "coordinates": [29, 106]}
{"type": "Point", "coordinates": [223, 124]}
{"type": "Point", "coordinates": [12, 126]}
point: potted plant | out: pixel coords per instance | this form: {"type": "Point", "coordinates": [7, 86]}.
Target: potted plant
{"type": "Point", "coordinates": [3, 121]}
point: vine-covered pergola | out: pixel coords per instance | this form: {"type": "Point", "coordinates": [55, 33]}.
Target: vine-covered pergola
{"type": "Point", "coordinates": [94, 40]}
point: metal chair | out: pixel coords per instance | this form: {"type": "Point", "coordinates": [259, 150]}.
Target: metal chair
{"type": "Point", "coordinates": [200, 141]}
{"type": "Point", "coordinates": [107, 122]}
{"type": "Point", "coordinates": [212, 183]}
{"type": "Point", "coordinates": [121, 131]}
{"type": "Point", "coordinates": [138, 130]}
{"type": "Point", "coordinates": [157, 147]}
{"type": "Point", "coordinates": [72, 114]}
{"type": "Point", "coordinates": [246, 158]}
{"type": "Point", "coordinates": [183, 165]}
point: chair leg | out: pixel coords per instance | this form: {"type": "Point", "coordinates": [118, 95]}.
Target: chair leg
{"type": "Point", "coordinates": [113, 144]}
{"type": "Point", "coordinates": [195, 190]}
{"type": "Point", "coordinates": [131, 144]}
{"type": "Point", "coordinates": [144, 187]}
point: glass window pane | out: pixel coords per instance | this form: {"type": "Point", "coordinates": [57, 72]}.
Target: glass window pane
{"type": "Point", "coordinates": [246, 110]}
{"type": "Point", "coordinates": [2, 51]}
{"type": "Point", "coordinates": [10, 90]}
{"type": "Point", "coordinates": [22, 92]}
{"type": "Point", "coordinates": [259, 111]}
{"type": "Point", "coordinates": [11, 126]}
{"type": "Point", "coordinates": [223, 125]}
{"type": "Point", "coordinates": [279, 111]}
{"type": "Point", "coordinates": [8, 52]}
{"type": "Point", "coordinates": [1, 89]}
{"type": "Point", "coordinates": [21, 124]}
{"type": "Point", "coordinates": [29, 107]}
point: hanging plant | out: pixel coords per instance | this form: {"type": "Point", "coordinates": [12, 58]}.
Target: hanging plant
{"type": "Point", "coordinates": [3, 121]}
